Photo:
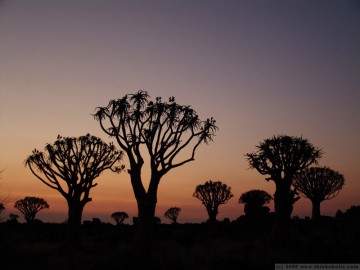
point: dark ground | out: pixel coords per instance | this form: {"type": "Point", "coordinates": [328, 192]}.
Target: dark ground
{"type": "Point", "coordinates": [237, 245]}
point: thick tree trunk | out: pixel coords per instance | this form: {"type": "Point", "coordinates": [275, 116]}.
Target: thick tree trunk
{"type": "Point", "coordinates": [283, 208]}
{"type": "Point", "coordinates": [315, 210]}
{"type": "Point", "coordinates": [212, 215]}
{"type": "Point", "coordinates": [146, 212]}
{"type": "Point", "coordinates": [74, 221]}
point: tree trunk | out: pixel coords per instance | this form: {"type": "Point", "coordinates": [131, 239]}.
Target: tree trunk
{"type": "Point", "coordinates": [146, 207]}
{"type": "Point", "coordinates": [212, 214]}
{"type": "Point", "coordinates": [315, 210]}
{"type": "Point", "coordinates": [74, 221]}
{"type": "Point", "coordinates": [283, 208]}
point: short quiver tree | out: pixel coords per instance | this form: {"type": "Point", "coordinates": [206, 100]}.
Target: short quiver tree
{"type": "Point", "coordinates": [254, 201]}
{"type": "Point", "coordinates": [70, 166]}
{"type": "Point", "coordinates": [212, 195]}
{"type": "Point", "coordinates": [160, 131]}
{"type": "Point", "coordinates": [172, 214]}
{"type": "Point", "coordinates": [318, 184]}
{"type": "Point", "coordinates": [30, 206]}
{"type": "Point", "coordinates": [281, 158]}
{"type": "Point", "coordinates": [119, 217]}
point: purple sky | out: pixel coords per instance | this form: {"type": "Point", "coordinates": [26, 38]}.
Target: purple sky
{"type": "Point", "coordinates": [260, 68]}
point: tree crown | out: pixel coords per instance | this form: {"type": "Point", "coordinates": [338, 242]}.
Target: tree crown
{"type": "Point", "coordinates": [212, 194]}
{"type": "Point", "coordinates": [172, 213]}
{"type": "Point", "coordinates": [135, 120]}
{"type": "Point", "coordinates": [319, 183]}
{"type": "Point", "coordinates": [281, 157]}
{"type": "Point", "coordinates": [75, 160]}
{"type": "Point", "coordinates": [29, 206]}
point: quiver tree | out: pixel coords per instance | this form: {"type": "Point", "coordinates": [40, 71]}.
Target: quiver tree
{"type": "Point", "coordinates": [30, 206]}
{"type": "Point", "coordinates": [70, 166]}
{"type": "Point", "coordinates": [119, 217]}
{"type": "Point", "coordinates": [318, 184]}
{"type": "Point", "coordinates": [281, 158]}
{"type": "Point", "coordinates": [159, 130]}
{"type": "Point", "coordinates": [254, 201]}
{"type": "Point", "coordinates": [212, 195]}
{"type": "Point", "coordinates": [172, 214]}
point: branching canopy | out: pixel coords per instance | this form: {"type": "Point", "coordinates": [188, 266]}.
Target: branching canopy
{"type": "Point", "coordinates": [29, 206]}
{"type": "Point", "coordinates": [77, 161]}
{"type": "Point", "coordinates": [119, 217]}
{"type": "Point", "coordinates": [165, 128]}
{"type": "Point", "coordinates": [213, 194]}
{"type": "Point", "coordinates": [172, 213]}
{"type": "Point", "coordinates": [283, 156]}
{"type": "Point", "coordinates": [319, 183]}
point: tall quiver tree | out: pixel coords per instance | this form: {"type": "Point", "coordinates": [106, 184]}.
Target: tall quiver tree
{"type": "Point", "coordinates": [318, 184]}
{"type": "Point", "coordinates": [160, 130]}
{"type": "Point", "coordinates": [281, 158]}
{"type": "Point", "coordinates": [212, 195]}
{"type": "Point", "coordinates": [70, 166]}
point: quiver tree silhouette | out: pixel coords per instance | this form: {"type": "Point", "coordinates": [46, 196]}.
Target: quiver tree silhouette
{"type": "Point", "coordinates": [119, 217]}
{"type": "Point", "coordinates": [172, 214]}
{"type": "Point", "coordinates": [254, 201]}
{"type": "Point", "coordinates": [212, 195]}
{"type": "Point", "coordinates": [281, 158]}
{"type": "Point", "coordinates": [70, 166]}
{"type": "Point", "coordinates": [159, 130]}
{"type": "Point", "coordinates": [318, 184]}
{"type": "Point", "coordinates": [2, 207]}
{"type": "Point", "coordinates": [30, 206]}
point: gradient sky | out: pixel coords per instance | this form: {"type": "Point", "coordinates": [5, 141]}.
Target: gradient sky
{"type": "Point", "coordinates": [260, 68]}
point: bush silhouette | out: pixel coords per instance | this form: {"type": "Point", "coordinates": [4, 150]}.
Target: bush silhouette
{"type": "Point", "coordinates": [254, 201]}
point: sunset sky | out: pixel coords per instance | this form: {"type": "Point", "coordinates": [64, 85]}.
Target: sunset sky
{"type": "Point", "coordinates": [260, 68]}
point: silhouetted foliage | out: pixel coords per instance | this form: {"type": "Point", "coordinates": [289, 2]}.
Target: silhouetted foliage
{"type": "Point", "coordinates": [318, 184]}
{"type": "Point", "coordinates": [165, 129]}
{"type": "Point", "coordinates": [30, 206]}
{"type": "Point", "coordinates": [254, 201]}
{"type": "Point", "coordinates": [70, 165]}
{"type": "Point", "coordinates": [172, 214]}
{"type": "Point", "coordinates": [281, 158]}
{"type": "Point", "coordinates": [119, 217]}
{"type": "Point", "coordinates": [212, 195]}
{"type": "Point", "coordinates": [2, 207]}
